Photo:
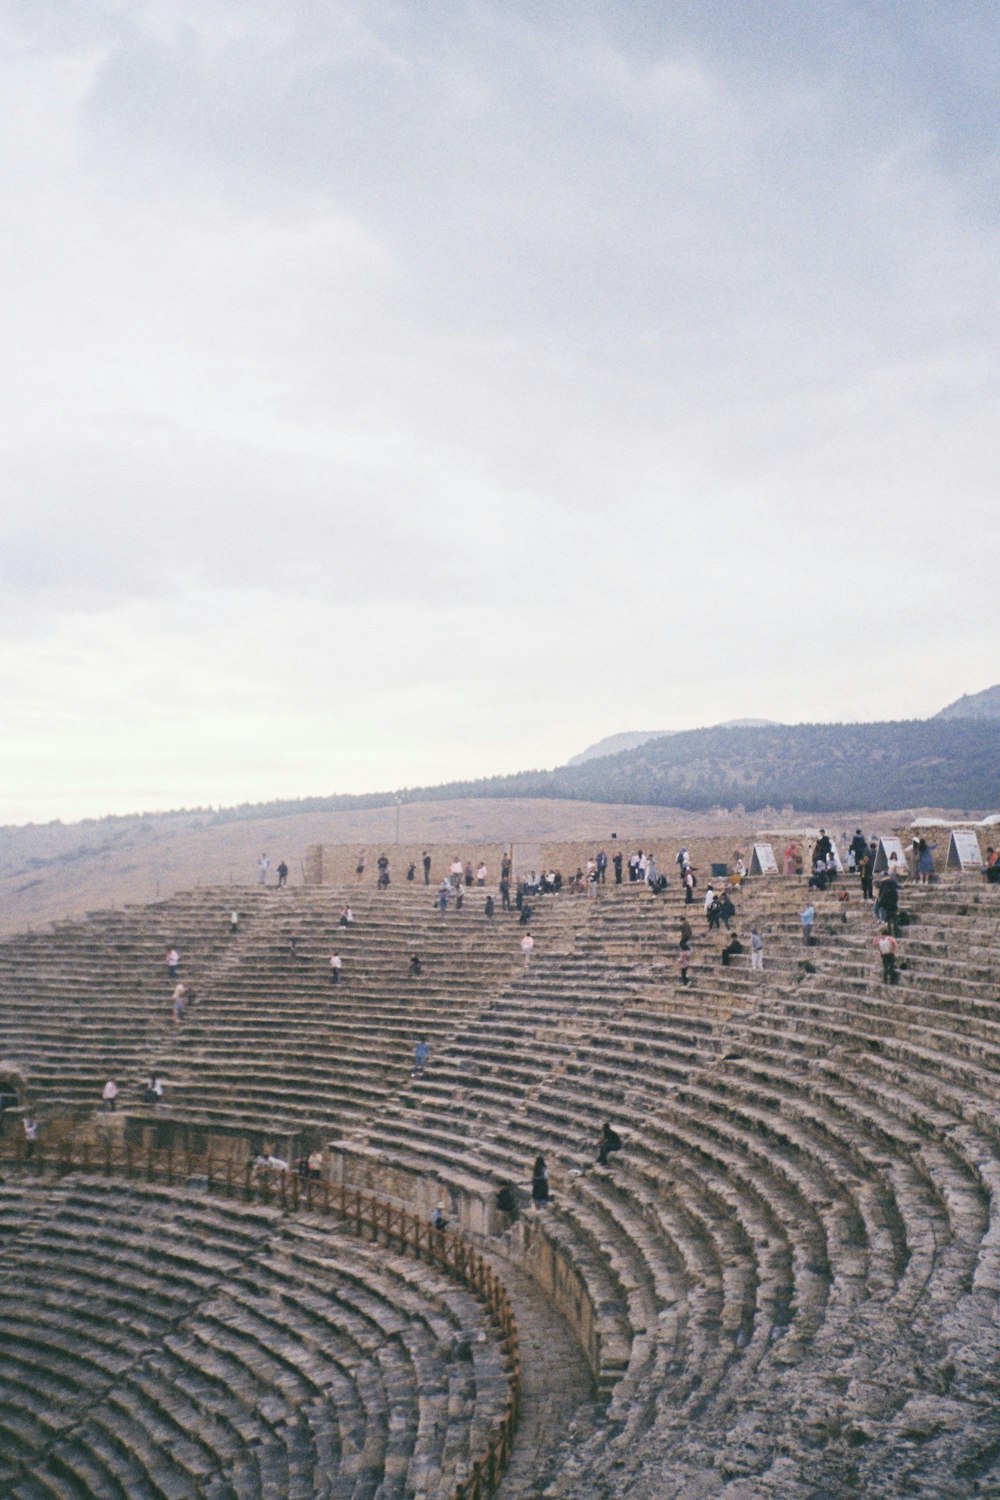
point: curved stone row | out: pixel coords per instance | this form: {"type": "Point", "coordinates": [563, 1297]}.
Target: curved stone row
{"type": "Point", "coordinates": [160, 1344]}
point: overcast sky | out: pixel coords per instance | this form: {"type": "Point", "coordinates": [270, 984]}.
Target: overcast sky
{"type": "Point", "coordinates": [396, 393]}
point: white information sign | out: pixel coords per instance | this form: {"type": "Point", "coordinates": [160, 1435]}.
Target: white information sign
{"type": "Point", "coordinates": [963, 850]}
{"type": "Point", "coordinates": [762, 860]}
{"type": "Point", "coordinates": [883, 854]}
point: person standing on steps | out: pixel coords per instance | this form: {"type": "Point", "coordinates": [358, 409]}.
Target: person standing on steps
{"type": "Point", "coordinates": [602, 866]}
{"type": "Point", "coordinates": [888, 902]}
{"type": "Point", "coordinates": [234, 923]}
{"type": "Point", "coordinates": [808, 919]}
{"type": "Point", "coordinates": [172, 961]}
{"type": "Point", "coordinates": [444, 891]}
{"type": "Point", "coordinates": [925, 861]}
{"type": "Point", "coordinates": [865, 872]}
{"type": "Point", "coordinates": [684, 963]}
{"type": "Point", "coordinates": [617, 862]}
{"type": "Point", "coordinates": [416, 967]}
{"type": "Point", "coordinates": [527, 948]}
{"type": "Point", "coordinates": [263, 865]}
{"type": "Point", "coordinates": [179, 1003]}
{"type": "Point", "coordinates": [336, 965]}
{"type": "Point", "coordinates": [539, 1183]}
{"type": "Point", "coordinates": [359, 868]}
{"type": "Point", "coordinates": [505, 893]}
{"type": "Point", "coordinates": [30, 1136]}
{"type": "Point", "coordinates": [109, 1095]}
{"type": "Point", "coordinates": [282, 874]}
{"type": "Point", "coordinates": [686, 933]}
{"type": "Point", "coordinates": [346, 916]}
{"type": "Point", "coordinates": [756, 949]}
{"type": "Point", "coordinates": [421, 1054]}
{"type": "Point", "coordinates": [488, 909]}
{"type": "Point", "coordinates": [888, 948]}
{"type": "Point", "coordinates": [426, 860]}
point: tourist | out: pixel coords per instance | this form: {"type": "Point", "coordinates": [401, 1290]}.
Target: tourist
{"type": "Point", "coordinates": [732, 950]}
{"type": "Point", "coordinates": [336, 964]}
{"type": "Point", "coordinates": [925, 861]}
{"type": "Point", "coordinates": [756, 949]}
{"type": "Point", "coordinates": [426, 861]}
{"type": "Point", "coordinates": [602, 866]}
{"type": "Point", "coordinates": [617, 862]}
{"type": "Point", "coordinates": [527, 947]}
{"type": "Point", "coordinates": [505, 893]}
{"type": "Point", "coordinates": [488, 909]}
{"type": "Point", "coordinates": [467, 872]}
{"type": "Point", "coordinates": [234, 923]}
{"type": "Point", "coordinates": [888, 948]}
{"type": "Point", "coordinates": [383, 872]}
{"type": "Point", "coordinates": [263, 865]}
{"type": "Point", "coordinates": [444, 890]}
{"type": "Point", "coordinates": [359, 868]}
{"type": "Point", "coordinates": [887, 905]}
{"type": "Point", "coordinates": [421, 1054]}
{"type": "Point", "coordinates": [686, 933]}
{"type": "Point", "coordinates": [791, 857]}
{"type": "Point", "coordinates": [411, 870]}
{"type": "Point", "coordinates": [172, 960]}
{"type": "Point", "coordinates": [179, 1003]}
{"type": "Point", "coordinates": [30, 1136]}
{"type": "Point", "coordinates": [858, 847]}
{"type": "Point", "coordinates": [481, 874]}
{"type": "Point", "coordinates": [539, 1183]}
{"type": "Point", "coordinates": [153, 1092]}
{"type": "Point", "coordinates": [110, 1096]}
{"type": "Point", "coordinates": [991, 869]}
{"type": "Point", "coordinates": [416, 967]}
{"type": "Point", "coordinates": [608, 1140]}
{"type": "Point", "coordinates": [808, 918]}
{"type": "Point", "coordinates": [527, 912]}
{"type": "Point", "coordinates": [346, 917]}
{"type": "Point", "coordinates": [726, 909]}
{"type": "Point", "coordinates": [865, 872]}
{"type": "Point", "coordinates": [438, 1221]}
{"type": "Point", "coordinates": [459, 897]}
{"type": "Point", "coordinates": [282, 874]}
{"type": "Point", "coordinates": [689, 884]}
{"type": "Point", "coordinates": [457, 871]}
{"type": "Point", "coordinates": [683, 964]}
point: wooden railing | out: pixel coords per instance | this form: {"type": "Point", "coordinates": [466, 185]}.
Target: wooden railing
{"type": "Point", "coordinates": [366, 1215]}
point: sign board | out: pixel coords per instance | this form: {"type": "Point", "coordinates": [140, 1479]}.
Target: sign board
{"type": "Point", "coordinates": [963, 851]}
{"type": "Point", "coordinates": [886, 849]}
{"type": "Point", "coordinates": [762, 860]}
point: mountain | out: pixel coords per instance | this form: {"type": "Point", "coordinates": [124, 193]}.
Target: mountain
{"type": "Point", "coordinates": [613, 743]}
{"type": "Point", "coordinates": [984, 705]}
{"type": "Point", "coordinates": [918, 763]}
{"type": "Point", "coordinates": [633, 738]}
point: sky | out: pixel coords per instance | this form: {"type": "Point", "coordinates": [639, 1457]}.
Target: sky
{"type": "Point", "coordinates": [392, 394]}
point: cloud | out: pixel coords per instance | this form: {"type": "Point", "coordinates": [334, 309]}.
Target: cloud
{"type": "Point", "coordinates": [497, 375]}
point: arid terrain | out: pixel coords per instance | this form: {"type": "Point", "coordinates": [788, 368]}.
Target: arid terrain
{"type": "Point", "coordinates": [49, 872]}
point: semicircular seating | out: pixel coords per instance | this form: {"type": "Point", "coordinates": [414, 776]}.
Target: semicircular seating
{"type": "Point", "coordinates": [159, 1342]}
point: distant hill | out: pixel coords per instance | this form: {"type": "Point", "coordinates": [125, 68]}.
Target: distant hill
{"type": "Point", "coordinates": [918, 763]}
{"type": "Point", "coordinates": [984, 705]}
{"type": "Point", "coordinates": [612, 744]}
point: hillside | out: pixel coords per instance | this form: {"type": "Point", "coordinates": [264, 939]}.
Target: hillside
{"type": "Point", "coordinates": [631, 739]}
{"type": "Point", "coordinates": [984, 705]}
{"type": "Point", "coordinates": [814, 767]}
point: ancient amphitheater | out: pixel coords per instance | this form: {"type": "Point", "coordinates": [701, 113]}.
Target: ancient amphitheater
{"type": "Point", "coordinates": [785, 1285]}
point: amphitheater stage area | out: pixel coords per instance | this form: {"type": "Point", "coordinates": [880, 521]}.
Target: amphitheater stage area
{"type": "Point", "coordinates": [785, 1284]}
